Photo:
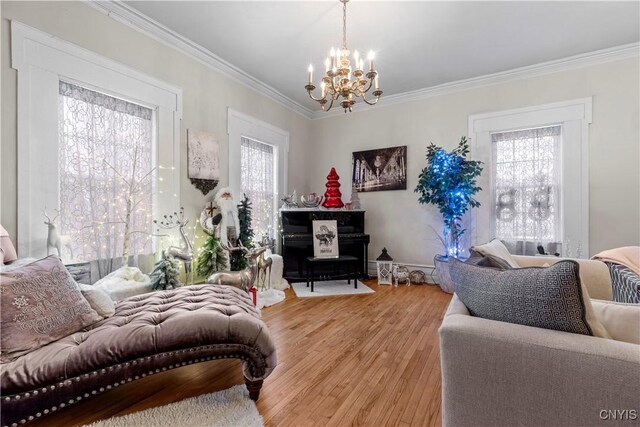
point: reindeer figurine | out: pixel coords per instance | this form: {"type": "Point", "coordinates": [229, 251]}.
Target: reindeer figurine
{"type": "Point", "coordinates": [264, 264]}
{"type": "Point", "coordinates": [184, 252]}
{"type": "Point", "coordinates": [54, 239]}
{"type": "Point", "coordinates": [240, 279]}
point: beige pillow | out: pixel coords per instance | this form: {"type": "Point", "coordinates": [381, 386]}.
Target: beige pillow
{"type": "Point", "coordinates": [621, 320]}
{"type": "Point", "coordinates": [497, 249]}
{"type": "Point", "coordinates": [99, 300]}
{"type": "Point", "coordinates": [40, 303]}
{"type": "Point", "coordinates": [7, 251]}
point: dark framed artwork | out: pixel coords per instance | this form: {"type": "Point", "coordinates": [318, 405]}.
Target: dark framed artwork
{"type": "Point", "coordinates": [380, 170]}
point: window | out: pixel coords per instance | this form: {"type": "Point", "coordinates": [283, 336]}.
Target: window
{"type": "Point", "coordinates": [526, 168]}
{"type": "Point", "coordinates": [258, 153]}
{"type": "Point", "coordinates": [62, 139]}
{"type": "Point", "coordinates": [106, 172]}
{"type": "Point", "coordinates": [528, 152]}
{"type": "Point", "coordinates": [258, 183]}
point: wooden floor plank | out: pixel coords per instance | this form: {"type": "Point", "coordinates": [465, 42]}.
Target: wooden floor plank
{"type": "Point", "coordinates": [361, 360]}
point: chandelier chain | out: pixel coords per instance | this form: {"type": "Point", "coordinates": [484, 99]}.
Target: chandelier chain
{"type": "Point", "coordinates": [344, 25]}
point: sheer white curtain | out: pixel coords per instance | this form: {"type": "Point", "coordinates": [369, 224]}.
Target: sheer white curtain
{"type": "Point", "coordinates": [258, 183]}
{"type": "Point", "coordinates": [527, 189]}
{"type": "Point", "coordinates": [106, 170]}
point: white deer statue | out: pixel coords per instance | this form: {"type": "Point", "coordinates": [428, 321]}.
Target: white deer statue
{"type": "Point", "coordinates": [55, 240]}
{"type": "Point", "coordinates": [243, 279]}
{"type": "Point", "coordinates": [184, 252]}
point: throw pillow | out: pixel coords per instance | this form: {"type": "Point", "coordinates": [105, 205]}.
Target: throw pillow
{"type": "Point", "coordinates": [550, 298]}
{"type": "Point", "coordinates": [40, 303]}
{"type": "Point", "coordinates": [622, 321]}
{"type": "Point", "coordinates": [7, 251]}
{"type": "Point", "coordinates": [98, 299]}
{"type": "Point", "coordinates": [477, 258]}
{"type": "Point", "coordinates": [625, 284]}
{"type": "Point", "coordinates": [497, 249]}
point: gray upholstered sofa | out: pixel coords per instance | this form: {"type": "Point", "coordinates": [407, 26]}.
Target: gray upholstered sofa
{"type": "Point", "coordinates": [496, 373]}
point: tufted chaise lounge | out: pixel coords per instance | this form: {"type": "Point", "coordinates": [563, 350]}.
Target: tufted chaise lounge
{"type": "Point", "coordinates": [148, 334]}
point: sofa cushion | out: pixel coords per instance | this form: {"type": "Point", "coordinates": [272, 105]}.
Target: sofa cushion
{"type": "Point", "coordinates": [550, 298]}
{"type": "Point", "coordinates": [622, 321]}
{"type": "Point", "coordinates": [40, 303]}
{"type": "Point", "coordinates": [497, 249]}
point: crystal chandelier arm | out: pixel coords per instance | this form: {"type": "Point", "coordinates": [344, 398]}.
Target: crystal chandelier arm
{"type": "Point", "coordinates": [376, 93]}
{"type": "Point", "coordinates": [330, 104]}
{"type": "Point", "coordinates": [333, 86]}
{"type": "Point", "coordinates": [314, 98]}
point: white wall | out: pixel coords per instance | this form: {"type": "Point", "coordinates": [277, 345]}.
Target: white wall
{"type": "Point", "coordinates": [394, 219]}
{"type": "Point", "coordinates": [206, 93]}
{"type": "Point", "coordinates": [397, 221]}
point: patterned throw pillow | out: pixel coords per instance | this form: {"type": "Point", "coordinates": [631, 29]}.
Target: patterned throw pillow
{"type": "Point", "coordinates": [625, 284]}
{"type": "Point", "coordinates": [40, 303]}
{"type": "Point", "coordinates": [549, 298]}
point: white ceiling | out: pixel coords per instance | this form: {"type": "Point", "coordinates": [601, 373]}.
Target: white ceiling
{"type": "Point", "coordinates": [417, 44]}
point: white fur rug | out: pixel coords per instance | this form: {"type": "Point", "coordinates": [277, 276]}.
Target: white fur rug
{"type": "Point", "coordinates": [270, 297]}
{"type": "Point", "coordinates": [231, 407]}
{"type": "Point", "coordinates": [330, 288]}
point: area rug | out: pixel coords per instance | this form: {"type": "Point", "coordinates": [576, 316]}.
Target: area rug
{"type": "Point", "coordinates": [328, 288]}
{"type": "Point", "coordinates": [230, 407]}
{"type": "Point", "coordinates": [270, 297]}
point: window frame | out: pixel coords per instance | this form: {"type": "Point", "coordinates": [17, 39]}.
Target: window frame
{"type": "Point", "coordinates": [574, 116]}
{"type": "Point", "coordinates": [41, 61]}
{"type": "Point", "coordinates": [242, 125]}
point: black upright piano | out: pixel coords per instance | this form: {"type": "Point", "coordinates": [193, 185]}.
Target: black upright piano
{"type": "Point", "coordinates": [297, 241]}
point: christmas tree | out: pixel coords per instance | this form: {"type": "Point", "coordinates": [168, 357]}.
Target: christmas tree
{"type": "Point", "coordinates": [211, 258]}
{"type": "Point", "coordinates": [238, 261]}
{"type": "Point", "coordinates": [333, 196]}
{"type": "Point", "coordinates": [166, 273]}
{"type": "Point", "coordinates": [355, 198]}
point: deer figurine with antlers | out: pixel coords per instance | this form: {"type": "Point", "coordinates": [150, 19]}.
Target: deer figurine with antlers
{"type": "Point", "coordinates": [184, 252]}
{"type": "Point", "coordinates": [55, 240]}
{"type": "Point", "coordinates": [264, 265]}
{"type": "Point", "coordinates": [243, 279]}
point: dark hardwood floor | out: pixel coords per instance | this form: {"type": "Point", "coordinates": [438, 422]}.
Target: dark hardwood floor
{"type": "Point", "coordinates": [368, 360]}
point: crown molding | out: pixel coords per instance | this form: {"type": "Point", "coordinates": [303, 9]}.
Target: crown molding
{"type": "Point", "coordinates": [577, 61]}
{"type": "Point", "coordinates": [132, 18]}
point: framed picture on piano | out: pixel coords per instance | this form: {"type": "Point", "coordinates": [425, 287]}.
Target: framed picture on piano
{"type": "Point", "coordinates": [325, 239]}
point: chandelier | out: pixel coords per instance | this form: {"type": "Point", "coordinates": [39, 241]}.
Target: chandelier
{"type": "Point", "coordinates": [344, 81]}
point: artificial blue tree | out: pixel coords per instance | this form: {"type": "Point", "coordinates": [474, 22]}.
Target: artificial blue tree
{"type": "Point", "coordinates": [449, 182]}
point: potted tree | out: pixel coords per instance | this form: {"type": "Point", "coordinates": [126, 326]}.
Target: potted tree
{"type": "Point", "coordinates": [449, 182]}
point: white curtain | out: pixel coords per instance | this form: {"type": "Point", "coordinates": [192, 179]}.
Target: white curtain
{"type": "Point", "coordinates": [527, 189]}
{"type": "Point", "coordinates": [258, 183]}
{"type": "Point", "coordinates": [106, 170]}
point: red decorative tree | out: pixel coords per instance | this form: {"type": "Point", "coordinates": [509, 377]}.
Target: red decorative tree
{"type": "Point", "coordinates": [332, 197]}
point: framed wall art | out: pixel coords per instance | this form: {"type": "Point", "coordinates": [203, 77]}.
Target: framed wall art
{"type": "Point", "coordinates": [325, 239]}
{"type": "Point", "coordinates": [203, 161]}
{"type": "Point", "coordinates": [380, 170]}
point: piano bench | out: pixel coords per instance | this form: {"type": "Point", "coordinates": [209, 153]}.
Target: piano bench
{"type": "Point", "coordinates": [350, 261]}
